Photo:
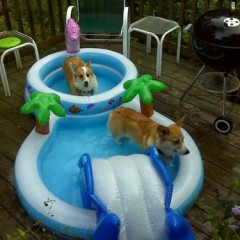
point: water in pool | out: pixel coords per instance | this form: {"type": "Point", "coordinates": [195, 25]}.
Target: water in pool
{"type": "Point", "coordinates": [107, 79]}
{"type": "Point", "coordinates": [58, 158]}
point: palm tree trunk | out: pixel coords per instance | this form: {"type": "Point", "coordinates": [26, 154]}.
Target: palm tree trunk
{"type": "Point", "coordinates": [146, 109]}
{"type": "Point", "coordinates": [42, 129]}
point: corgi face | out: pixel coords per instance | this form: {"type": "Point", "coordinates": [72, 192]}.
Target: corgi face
{"type": "Point", "coordinates": [82, 76]}
{"type": "Point", "coordinates": [171, 139]}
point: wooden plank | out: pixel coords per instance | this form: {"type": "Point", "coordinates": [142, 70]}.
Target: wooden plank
{"type": "Point", "coordinates": [207, 204]}
{"type": "Point", "coordinates": [31, 19]}
{"type": "Point", "coordinates": [8, 198]}
{"type": "Point", "coordinates": [141, 9]}
{"type": "Point", "coordinates": [195, 8]}
{"type": "Point", "coordinates": [133, 8]}
{"type": "Point", "coordinates": [197, 219]}
{"type": "Point", "coordinates": [14, 133]}
{"type": "Point", "coordinates": [8, 225]}
{"type": "Point", "coordinates": [11, 210]}
{"type": "Point", "coordinates": [18, 13]}
{"type": "Point", "coordinates": [160, 8]}
{"type": "Point", "coordinates": [6, 169]}
{"type": "Point", "coordinates": [206, 6]}
{"type": "Point", "coordinates": [6, 15]}
{"type": "Point", "coordinates": [41, 19]}
{"type": "Point", "coordinates": [171, 6]}
{"type": "Point", "coordinates": [60, 15]}
{"type": "Point", "coordinates": [182, 13]}
{"type": "Point", "coordinates": [8, 147]}
{"type": "Point", "coordinates": [52, 21]}
{"type": "Point", "coordinates": [151, 7]}
{"type": "Point", "coordinates": [23, 122]}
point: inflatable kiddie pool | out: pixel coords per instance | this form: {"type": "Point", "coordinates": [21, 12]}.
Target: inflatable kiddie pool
{"type": "Point", "coordinates": [48, 182]}
{"type": "Point", "coordinates": [111, 69]}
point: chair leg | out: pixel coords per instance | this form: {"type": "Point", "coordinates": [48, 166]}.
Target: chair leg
{"type": "Point", "coordinates": [4, 79]}
{"type": "Point", "coordinates": [224, 93]}
{"type": "Point", "coordinates": [3, 82]}
{"type": "Point", "coordinates": [129, 43]}
{"type": "Point", "coordinates": [18, 59]}
{"type": "Point", "coordinates": [125, 45]}
{"type": "Point", "coordinates": [149, 42]}
{"type": "Point", "coordinates": [179, 45]}
{"type": "Point", "coordinates": [125, 27]}
{"type": "Point", "coordinates": [36, 51]}
{"type": "Point", "coordinates": [192, 83]}
{"type": "Point", "coordinates": [159, 60]}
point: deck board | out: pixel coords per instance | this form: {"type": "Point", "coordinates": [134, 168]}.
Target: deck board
{"type": "Point", "coordinates": [220, 152]}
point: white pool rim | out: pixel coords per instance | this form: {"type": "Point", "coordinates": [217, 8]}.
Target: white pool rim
{"type": "Point", "coordinates": [101, 101]}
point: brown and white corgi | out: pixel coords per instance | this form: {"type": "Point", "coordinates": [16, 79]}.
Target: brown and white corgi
{"type": "Point", "coordinates": [80, 77]}
{"type": "Point", "coordinates": [146, 132]}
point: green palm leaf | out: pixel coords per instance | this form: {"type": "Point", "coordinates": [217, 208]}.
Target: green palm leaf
{"type": "Point", "coordinates": [28, 108]}
{"type": "Point", "coordinates": [43, 104]}
{"type": "Point", "coordinates": [143, 87]}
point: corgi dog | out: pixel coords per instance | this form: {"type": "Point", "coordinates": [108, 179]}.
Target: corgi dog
{"type": "Point", "coordinates": [146, 132]}
{"type": "Point", "coordinates": [80, 77]}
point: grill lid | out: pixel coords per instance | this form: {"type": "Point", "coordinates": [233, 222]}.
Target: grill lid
{"type": "Point", "coordinates": [219, 27]}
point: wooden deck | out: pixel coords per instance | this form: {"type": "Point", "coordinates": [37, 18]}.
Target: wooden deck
{"type": "Point", "coordinates": [220, 153]}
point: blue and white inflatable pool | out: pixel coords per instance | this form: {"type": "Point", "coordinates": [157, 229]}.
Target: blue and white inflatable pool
{"type": "Point", "coordinates": [48, 182]}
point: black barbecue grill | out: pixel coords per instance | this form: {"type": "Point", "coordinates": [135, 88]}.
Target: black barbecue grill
{"type": "Point", "coordinates": [216, 40]}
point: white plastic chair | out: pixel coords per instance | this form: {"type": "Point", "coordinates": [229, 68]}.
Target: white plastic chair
{"type": "Point", "coordinates": [102, 20]}
{"type": "Point", "coordinates": [21, 41]}
{"type": "Point", "coordinates": [158, 28]}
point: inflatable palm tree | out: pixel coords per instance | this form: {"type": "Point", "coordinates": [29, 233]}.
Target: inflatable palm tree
{"type": "Point", "coordinates": [143, 87]}
{"type": "Point", "coordinates": [43, 104]}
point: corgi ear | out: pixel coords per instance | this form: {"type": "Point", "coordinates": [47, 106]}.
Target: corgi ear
{"type": "Point", "coordinates": [163, 131]}
{"type": "Point", "coordinates": [180, 121]}
{"type": "Point", "coordinates": [73, 67]}
{"type": "Point", "coordinates": [89, 63]}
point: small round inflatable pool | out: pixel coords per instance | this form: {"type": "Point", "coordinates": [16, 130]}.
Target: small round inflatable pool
{"type": "Point", "coordinates": [49, 185]}
{"type": "Point", "coordinates": [111, 69]}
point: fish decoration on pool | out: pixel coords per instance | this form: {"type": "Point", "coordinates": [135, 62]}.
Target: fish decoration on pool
{"type": "Point", "coordinates": [75, 109]}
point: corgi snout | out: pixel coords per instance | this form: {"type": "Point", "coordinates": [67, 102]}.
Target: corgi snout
{"type": "Point", "coordinates": [186, 152]}
{"type": "Point", "coordinates": [85, 82]}
{"type": "Point", "coordinates": [183, 151]}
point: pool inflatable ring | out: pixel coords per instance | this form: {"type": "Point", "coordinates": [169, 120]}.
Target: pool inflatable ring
{"type": "Point", "coordinates": [56, 213]}
{"type": "Point", "coordinates": [111, 68]}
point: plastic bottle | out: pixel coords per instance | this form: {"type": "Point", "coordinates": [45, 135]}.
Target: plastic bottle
{"type": "Point", "coordinates": [72, 36]}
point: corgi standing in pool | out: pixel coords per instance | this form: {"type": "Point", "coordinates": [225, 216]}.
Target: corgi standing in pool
{"type": "Point", "coordinates": [80, 77]}
{"type": "Point", "coordinates": [146, 132]}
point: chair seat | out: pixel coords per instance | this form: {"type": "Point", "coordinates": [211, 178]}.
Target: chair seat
{"type": "Point", "coordinates": [158, 28]}
{"type": "Point", "coordinates": [9, 42]}
{"type": "Point", "coordinates": [24, 38]}
{"type": "Point", "coordinates": [154, 25]}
